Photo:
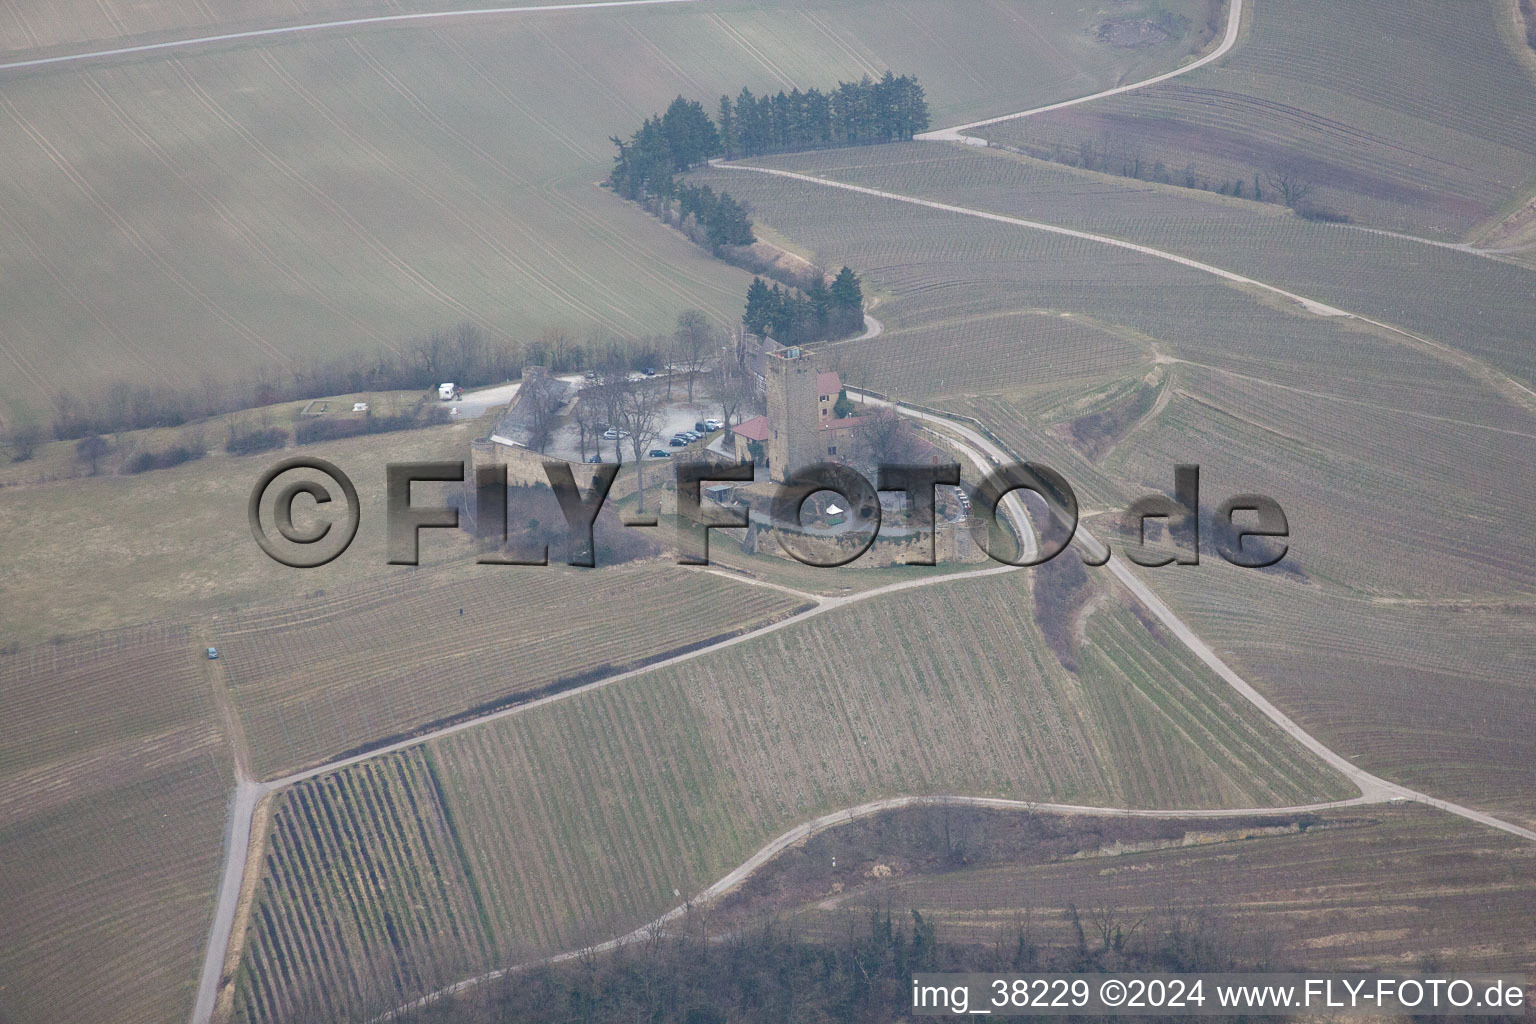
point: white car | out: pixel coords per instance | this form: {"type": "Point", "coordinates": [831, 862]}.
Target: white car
{"type": "Point", "coordinates": [714, 425]}
{"type": "Point", "coordinates": [614, 435]}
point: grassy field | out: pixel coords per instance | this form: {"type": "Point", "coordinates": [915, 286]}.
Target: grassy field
{"type": "Point", "coordinates": [93, 553]}
{"type": "Point", "coordinates": [1402, 113]}
{"type": "Point", "coordinates": [580, 820]}
{"type": "Point", "coordinates": [1310, 899]}
{"type": "Point", "coordinates": [261, 205]}
{"type": "Point", "coordinates": [113, 781]}
{"type": "Point", "coordinates": [318, 677]}
{"type": "Point", "coordinates": [252, 207]}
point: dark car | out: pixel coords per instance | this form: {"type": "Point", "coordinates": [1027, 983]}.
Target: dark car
{"type": "Point", "coordinates": [678, 442]}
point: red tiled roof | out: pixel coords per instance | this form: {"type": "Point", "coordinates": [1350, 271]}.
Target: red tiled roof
{"type": "Point", "coordinates": [828, 383]}
{"type": "Point", "coordinates": [755, 429]}
{"type": "Point", "coordinates": [847, 422]}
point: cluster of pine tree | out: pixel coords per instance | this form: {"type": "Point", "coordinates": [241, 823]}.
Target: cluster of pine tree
{"type": "Point", "coordinates": [854, 114]}
{"type": "Point", "coordinates": [717, 219]}
{"type": "Point", "coordinates": [664, 145]}
{"type": "Point", "coordinates": [818, 313]}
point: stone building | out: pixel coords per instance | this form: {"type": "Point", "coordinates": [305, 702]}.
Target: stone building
{"type": "Point", "coordinates": [802, 427]}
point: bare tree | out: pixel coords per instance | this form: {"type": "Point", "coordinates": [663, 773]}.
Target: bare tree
{"type": "Point", "coordinates": [733, 391]}
{"type": "Point", "coordinates": [468, 350]}
{"type": "Point", "coordinates": [607, 393]}
{"type": "Point", "coordinates": [430, 353]}
{"type": "Point", "coordinates": [668, 361]}
{"type": "Point", "coordinates": [640, 414]}
{"type": "Point", "coordinates": [90, 450]}
{"type": "Point", "coordinates": [587, 412]}
{"type": "Point", "coordinates": [24, 438]}
{"type": "Point", "coordinates": [695, 340]}
{"type": "Point", "coordinates": [542, 397]}
{"type": "Point", "coordinates": [887, 438]}
{"type": "Point", "coordinates": [1293, 185]}
{"type": "Point", "coordinates": [557, 343]}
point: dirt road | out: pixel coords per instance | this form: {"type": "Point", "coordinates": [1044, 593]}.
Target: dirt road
{"type": "Point", "coordinates": [800, 833]}
{"type": "Point", "coordinates": [321, 26]}
{"type": "Point", "coordinates": [957, 133]}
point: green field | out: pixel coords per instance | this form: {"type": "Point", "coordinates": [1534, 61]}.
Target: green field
{"type": "Point", "coordinates": [575, 822]}
{"type": "Point", "coordinates": [266, 204]}
{"type": "Point", "coordinates": [1403, 113]}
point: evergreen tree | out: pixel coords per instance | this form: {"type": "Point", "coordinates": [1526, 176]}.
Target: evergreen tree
{"type": "Point", "coordinates": [758, 318]}
{"type": "Point", "coordinates": [726, 126]}
{"type": "Point", "coordinates": [691, 137]}
{"type": "Point", "coordinates": [847, 312]}
{"type": "Point", "coordinates": [821, 303]}
{"type": "Point", "coordinates": [729, 223]}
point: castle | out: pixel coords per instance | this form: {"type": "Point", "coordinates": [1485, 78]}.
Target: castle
{"type": "Point", "coordinates": [802, 427]}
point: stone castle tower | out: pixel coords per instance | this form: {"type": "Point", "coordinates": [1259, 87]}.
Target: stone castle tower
{"type": "Point", "coordinates": [793, 418]}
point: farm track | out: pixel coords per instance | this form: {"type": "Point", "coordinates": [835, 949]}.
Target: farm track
{"type": "Point", "coordinates": [1373, 790]}
{"type": "Point", "coordinates": [321, 26]}
{"type": "Point", "coordinates": [957, 133]}
{"type": "Point", "coordinates": [1511, 388]}
{"type": "Point", "coordinates": [248, 792]}
{"type": "Point", "coordinates": [806, 830]}
{"type": "Point", "coordinates": [981, 452]}
{"type": "Point", "coordinates": [1229, 40]}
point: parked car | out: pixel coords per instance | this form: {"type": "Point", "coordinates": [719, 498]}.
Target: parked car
{"type": "Point", "coordinates": [650, 371]}
{"type": "Point", "coordinates": [660, 453]}
{"type": "Point", "coordinates": [594, 458]}
{"type": "Point", "coordinates": [713, 425]}
{"type": "Point", "coordinates": [692, 435]}
{"type": "Point", "coordinates": [213, 654]}
{"type": "Point", "coordinates": [701, 426]}
{"type": "Point", "coordinates": [678, 442]}
{"type": "Point", "coordinates": [612, 434]}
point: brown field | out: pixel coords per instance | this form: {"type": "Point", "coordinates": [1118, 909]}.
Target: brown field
{"type": "Point", "coordinates": [259, 204]}
{"type": "Point", "coordinates": [577, 821]}
{"type": "Point", "coordinates": [101, 552]}
{"type": "Point", "coordinates": [341, 671]}
{"type": "Point", "coordinates": [1384, 140]}
{"type": "Point", "coordinates": [1398, 462]}
{"type": "Point", "coordinates": [1312, 898]}
{"type": "Point", "coordinates": [1433, 693]}
{"type": "Point", "coordinates": [1399, 281]}
{"type": "Point", "coordinates": [399, 902]}
{"type": "Point", "coordinates": [113, 782]}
